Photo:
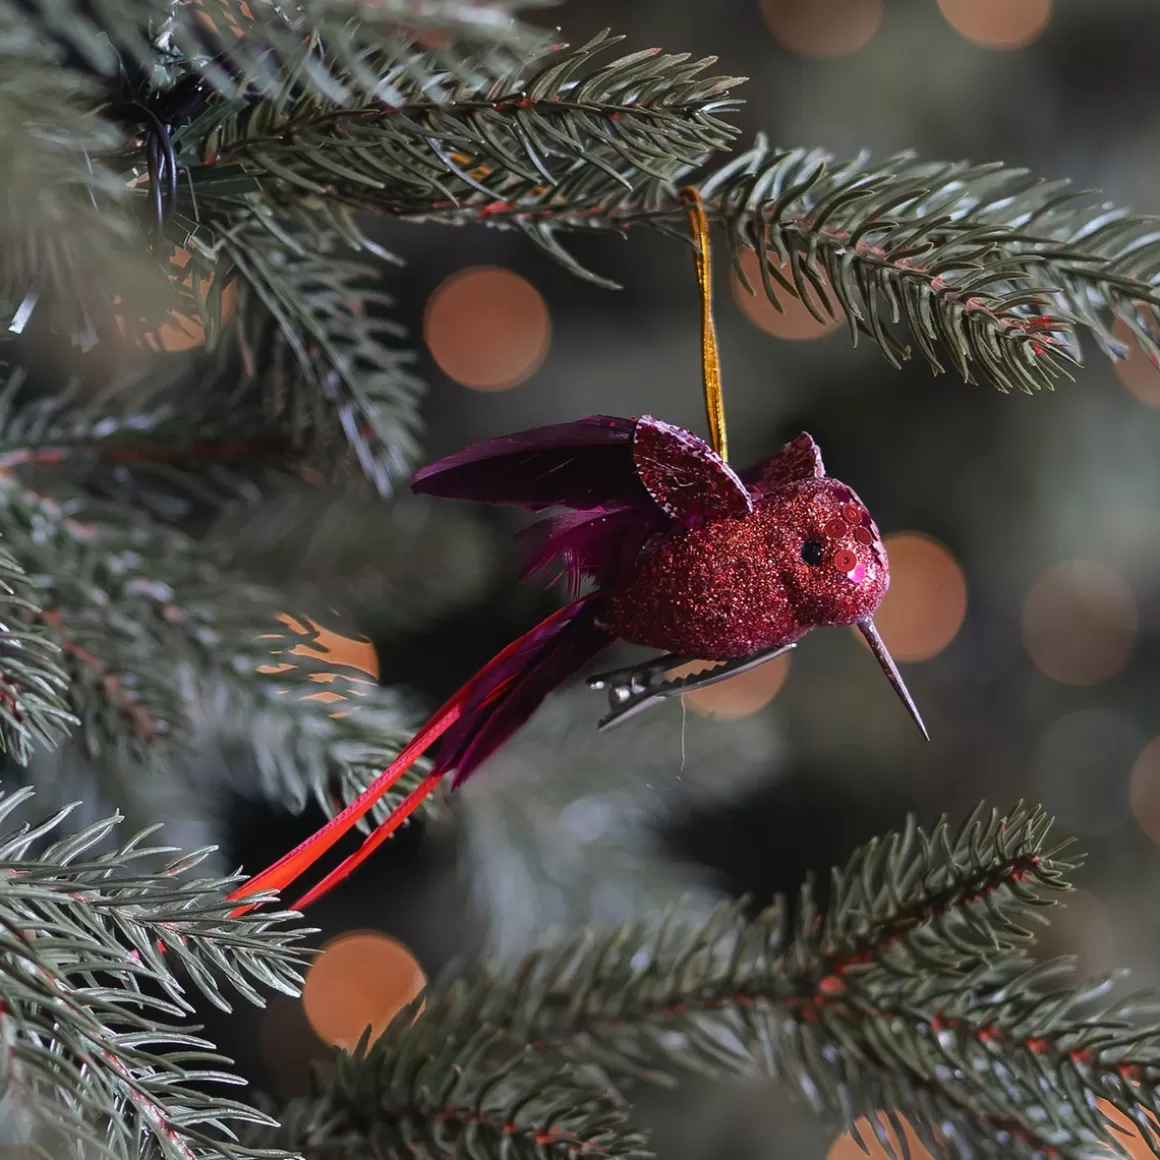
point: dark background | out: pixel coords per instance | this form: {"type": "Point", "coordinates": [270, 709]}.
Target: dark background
{"type": "Point", "coordinates": [566, 827]}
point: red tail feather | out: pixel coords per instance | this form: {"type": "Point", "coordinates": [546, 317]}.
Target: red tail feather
{"type": "Point", "coordinates": [467, 706]}
{"type": "Point", "coordinates": [305, 854]}
{"type": "Point", "coordinates": [399, 815]}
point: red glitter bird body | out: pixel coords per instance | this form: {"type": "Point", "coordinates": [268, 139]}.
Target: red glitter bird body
{"type": "Point", "coordinates": [684, 555]}
{"type": "Point", "coordinates": [736, 582]}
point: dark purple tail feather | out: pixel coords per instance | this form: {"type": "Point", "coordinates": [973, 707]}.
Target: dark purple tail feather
{"type": "Point", "coordinates": [586, 464]}
{"type": "Point", "coordinates": [512, 692]}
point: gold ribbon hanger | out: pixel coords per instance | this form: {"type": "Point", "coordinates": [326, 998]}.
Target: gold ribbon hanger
{"type": "Point", "coordinates": [710, 362]}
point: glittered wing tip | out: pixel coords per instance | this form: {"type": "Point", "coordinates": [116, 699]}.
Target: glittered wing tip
{"type": "Point", "coordinates": [878, 648]}
{"type": "Point", "coordinates": [686, 478]}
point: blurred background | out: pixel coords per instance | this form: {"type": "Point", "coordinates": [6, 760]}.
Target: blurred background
{"type": "Point", "coordinates": [1024, 536]}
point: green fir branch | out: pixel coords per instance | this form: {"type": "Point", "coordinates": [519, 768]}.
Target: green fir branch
{"type": "Point", "coordinates": [68, 221]}
{"type": "Point", "coordinates": [841, 239]}
{"type": "Point", "coordinates": [164, 650]}
{"type": "Point", "coordinates": [638, 117]}
{"type": "Point", "coordinates": [423, 1089]}
{"type": "Point", "coordinates": [909, 997]}
{"type": "Point", "coordinates": [903, 908]}
{"type": "Point", "coordinates": [320, 355]}
{"type": "Point", "coordinates": [1056, 1037]}
{"type": "Point", "coordinates": [95, 1056]}
{"type": "Point", "coordinates": [34, 705]}
{"type": "Point", "coordinates": [308, 749]}
{"type": "Point", "coordinates": [982, 266]}
{"type": "Point", "coordinates": [936, 1056]}
{"type": "Point", "coordinates": [235, 46]}
{"type": "Point", "coordinates": [310, 383]}
{"type": "Point", "coordinates": [981, 263]}
{"type": "Point", "coordinates": [168, 436]}
{"type": "Point", "coordinates": [867, 244]}
{"type": "Point", "coordinates": [347, 51]}
{"type": "Point", "coordinates": [65, 224]}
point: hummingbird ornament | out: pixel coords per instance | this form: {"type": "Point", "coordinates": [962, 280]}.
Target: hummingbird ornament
{"type": "Point", "coordinates": [683, 553]}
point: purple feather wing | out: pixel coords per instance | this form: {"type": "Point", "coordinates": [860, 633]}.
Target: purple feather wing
{"type": "Point", "coordinates": [686, 478]}
{"type": "Point", "coordinates": [625, 479]}
{"type": "Point", "coordinates": [586, 465]}
{"type": "Point", "coordinates": [601, 547]}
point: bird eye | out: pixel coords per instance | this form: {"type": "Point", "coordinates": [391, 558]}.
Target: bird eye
{"type": "Point", "coordinates": [813, 551]}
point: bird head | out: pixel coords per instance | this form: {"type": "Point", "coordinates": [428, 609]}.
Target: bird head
{"type": "Point", "coordinates": [827, 548]}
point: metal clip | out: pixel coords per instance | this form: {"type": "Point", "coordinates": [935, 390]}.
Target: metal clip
{"type": "Point", "coordinates": [633, 689]}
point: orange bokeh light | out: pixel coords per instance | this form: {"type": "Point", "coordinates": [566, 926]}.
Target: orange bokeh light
{"type": "Point", "coordinates": [1144, 791]}
{"type": "Point", "coordinates": [793, 320]}
{"type": "Point", "coordinates": [738, 696]}
{"type": "Point", "coordinates": [997, 23]}
{"type": "Point", "coordinates": [926, 603]}
{"type": "Point", "coordinates": [1137, 372]}
{"type": "Point", "coordinates": [487, 328]}
{"type": "Point", "coordinates": [185, 331]}
{"type": "Point", "coordinates": [845, 1147]}
{"type": "Point", "coordinates": [1125, 1133]}
{"type": "Point", "coordinates": [359, 980]}
{"type": "Point", "coordinates": [1079, 621]}
{"type": "Point", "coordinates": [823, 28]}
{"type": "Point", "coordinates": [355, 661]}
{"type": "Point", "coordinates": [181, 332]}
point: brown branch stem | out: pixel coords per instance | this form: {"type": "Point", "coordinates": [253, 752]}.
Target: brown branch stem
{"type": "Point", "coordinates": [513, 103]}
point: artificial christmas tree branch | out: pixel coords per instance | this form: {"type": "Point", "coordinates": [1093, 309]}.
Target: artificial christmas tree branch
{"type": "Point", "coordinates": [164, 651]}
{"type": "Point", "coordinates": [92, 1060]}
{"type": "Point", "coordinates": [302, 751]}
{"type": "Point", "coordinates": [146, 442]}
{"type": "Point", "coordinates": [981, 265]}
{"type": "Point", "coordinates": [1057, 1050]}
{"type": "Point", "coordinates": [903, 908]}
{"type": "Point", "coordinates": [142, 439]}
{"type": "Point", "coordinates": [843, 242]}
{"type": "Point", "coordinates": [911, 997]}
{"type": "Point", "coordinates": [233, 47]}
{"type": "Point", "coordinates": [64, 220]}
{"type": "Point", "coordinates": [159, 645]}
{"type": "Point", "coordinates": [978, 265]}
{"type": "Point", "coordinates": [435, 1086]}
{"type": "Point", "coordinates": [34, 707]}
{"type": "Point", "coordinates": [322, 359]}
{"type": "Point", "coordinates": [637, 117]}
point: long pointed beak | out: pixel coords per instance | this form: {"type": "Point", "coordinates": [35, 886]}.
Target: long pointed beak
{"type": "Point", "coordinates": [866, 627]}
